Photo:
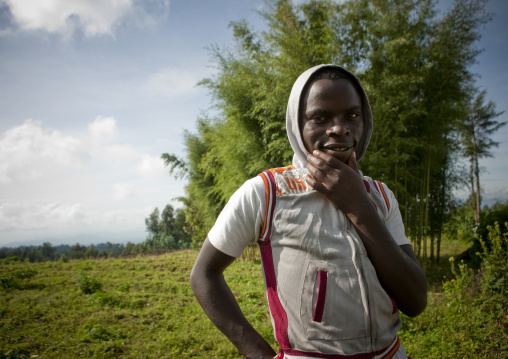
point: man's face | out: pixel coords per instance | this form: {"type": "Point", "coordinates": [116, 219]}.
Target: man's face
{"type": "Point", "coordinates": [331, 118]}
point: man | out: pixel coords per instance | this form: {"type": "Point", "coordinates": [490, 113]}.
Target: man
{"type": "Point", "coordinates": [336, 263]}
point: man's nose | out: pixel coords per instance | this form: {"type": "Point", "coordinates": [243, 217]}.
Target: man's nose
{"type": "Point", "coordinates": [338, 127]}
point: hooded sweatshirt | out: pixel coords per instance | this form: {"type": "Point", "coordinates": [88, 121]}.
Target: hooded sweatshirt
{"type": "Point", "coordinates": [323, 292]}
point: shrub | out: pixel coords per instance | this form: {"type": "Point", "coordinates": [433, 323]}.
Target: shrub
{"type": "Point", "coordinates": [99, 332]}
{"type": "Point", "coordinates": [10, 259]}
{"type": "Point", "coordinates": [13, 280]}
{"type": "Point", "coordinates": [88, 284]}
{"type": "Point", "coordinates": [124, 287]}
{"type": "Point", "coordinates": [469, 319]}
{"type": "Point", "coordinates": [103, 299]}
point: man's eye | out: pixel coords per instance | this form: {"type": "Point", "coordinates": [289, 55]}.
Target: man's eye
{"type": "Point", "coordinates": [319, 119]}
{"type": "Point", "coordinates": [353, 115]}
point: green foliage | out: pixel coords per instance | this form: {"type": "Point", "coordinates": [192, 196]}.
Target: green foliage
{"type": "Point", "coordinates": [469, 319]}
{"type": "Point", "coordinates": [145, 313]}
{"type": "Point", "coordinates": [414, 64]}
{"type": "Point", "coordinates": [14, 280]}
{"type": "Point", "coordinates": [177, 166]}
{"type": "Point", "coordinates": [462, 226]}
{"type": "Point", "coordinates": [104, 299]}
{"type": "Point", "coordinates": [475, 134]}
{"type": "Point", "coordinates": [77, 251]}
{"type": "Point", "coordinates": [124, 287]}
{"type": "Point", "coordinates": [88, 284]}
{"type": "Point", "coordinates": [459, 224]}
{"type": "Point", "coordinates": [405, 48]}
{"type": "Point", "coordinates": [10, 259]}
{"type": "Point", "coordinates": [98, 332]}
{"type": "Point", "coordinates": [166, 231]}
{"type": "Point", "coordinates": [497, 213]}
{"type": "Point", "coordinates": [150, 312]}
{"type": "Point", "coordinates": [250, 91]}
{"type": "Point", "coordinates": [495, 269]}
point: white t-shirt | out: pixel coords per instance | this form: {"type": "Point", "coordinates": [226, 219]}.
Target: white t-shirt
{"type": "Point", "coordinates": [241, 220]}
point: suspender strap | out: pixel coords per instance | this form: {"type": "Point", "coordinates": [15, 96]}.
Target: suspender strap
{"type": "Point", "coordinates": [270, 197]}
{"type": "Point", "coordinates": [276, 309]}
{"type": "Point", "coordinates": [380, 185]}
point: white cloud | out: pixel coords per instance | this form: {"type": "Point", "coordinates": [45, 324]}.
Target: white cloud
{"type": "Point", "coordinates": [102, 128]}
{"type": "Point", "coordinates": [33, 216]}
{"type": "Point", "coordinates": [122, 191]}
{"type": "Point", "coordinates": [94, 17]}
{"type": "Point", "coordinates": [53, 182]}
{"type": "Point", "coordinates": [116, 154]}
{"type": "Point", "coordinates": [151, 166]}
{"type": "Point", "coordinates": [173, 81]}
{"type": "Point", "coordinates": [29, 152]}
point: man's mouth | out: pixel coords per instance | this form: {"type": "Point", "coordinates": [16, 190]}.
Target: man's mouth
{"type": "Point", "coordinates": [341, 151]}
{"type": "Point", "coordinates": [338, 147]}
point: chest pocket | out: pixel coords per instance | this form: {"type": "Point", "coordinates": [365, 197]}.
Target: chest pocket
{"type": "Point", "coordinates": [332, 307]}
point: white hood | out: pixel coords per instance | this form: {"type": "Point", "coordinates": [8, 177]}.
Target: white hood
{"type": "Point", "coordinates": [293, 109]}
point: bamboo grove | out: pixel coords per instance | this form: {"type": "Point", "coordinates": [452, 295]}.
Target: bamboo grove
{"type": "Point", "coordinates": [414, 63]}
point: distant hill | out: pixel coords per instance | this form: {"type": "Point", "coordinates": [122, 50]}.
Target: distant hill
{"type": "Point", "coordinates": [491, 198]}
{"type": "Point", "coordinates": [83, 239]}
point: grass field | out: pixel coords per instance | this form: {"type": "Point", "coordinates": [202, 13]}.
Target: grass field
{"type": "Point", "coordinates": [145, 309]}
{"type": "Point", "coordinates": [139, 307]}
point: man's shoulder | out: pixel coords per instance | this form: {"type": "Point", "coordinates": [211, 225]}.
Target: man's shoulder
{"type": "Point", "coordinates": [287, 180]}
{"type": "Point", "coordinates": [380, 191]}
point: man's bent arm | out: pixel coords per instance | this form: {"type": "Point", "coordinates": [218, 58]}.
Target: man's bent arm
{"type": "Point", "coordinates": [396, 266]}
{"type": "Point", "coordinates": [219, 304]}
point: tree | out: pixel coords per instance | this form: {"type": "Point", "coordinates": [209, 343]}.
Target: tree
{"type": "Point", "coordinates": [91, 252]}
{"type": "Point", "coordinates": [77, 251]}
{"type": "Point", "coordinates": [414, 65]}
{"type": "Point", "coordinates": [166, 231]}
{"type": "Point", "coordinates": [167, 220]}
{"type": "Point", "coordinates": [152, 223]}
{"type": "Point", "coordinates": [130, 248]}
{"type": "Point", "coordinates": [48, 252]}
{"type": "Point", "coordinates": [476, 131]}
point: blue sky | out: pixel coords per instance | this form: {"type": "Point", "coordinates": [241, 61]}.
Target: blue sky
{"type": "Point", "coordinates": [92, 92]}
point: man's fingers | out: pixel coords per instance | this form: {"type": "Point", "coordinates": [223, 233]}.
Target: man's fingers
{"type": "Point", "coordinates": [315, 170]}
{"type": "Point", "coordinates": [322, 159]}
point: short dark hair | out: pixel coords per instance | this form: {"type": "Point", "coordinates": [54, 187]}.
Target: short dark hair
{"type": "Point", "coordinates": [332, 73]}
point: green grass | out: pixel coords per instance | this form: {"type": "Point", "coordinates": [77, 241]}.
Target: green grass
{"type": "Point", "coordinates": [145, 310]}
{"type": "Point", "coordinates": [143, 307]}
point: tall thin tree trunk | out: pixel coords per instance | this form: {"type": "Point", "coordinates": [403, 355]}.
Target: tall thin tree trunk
{"type": "Point", "coordinates": [477, 183]}
{"type": "Point", "coordinates": [427, 205]}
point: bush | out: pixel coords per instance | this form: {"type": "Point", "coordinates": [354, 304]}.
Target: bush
{"type": "Point", "coordinates": [88, 284]}
{"type": "Point", "coordinates": [469, 319]}
{"type": "Point", "coordinates": [10, 259]}
{"type": "Point", "coordinates": [99, 332]}
{"type": "Point", "coordinates": [103, 299]}
{"type": "Point", "coordinates": [13, 280]}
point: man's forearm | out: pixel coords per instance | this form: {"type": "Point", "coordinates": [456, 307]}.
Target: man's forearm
{"type": "Point", "coordinates": [397, 270]}
{"type": "Point", "coordinates": [220, 305]}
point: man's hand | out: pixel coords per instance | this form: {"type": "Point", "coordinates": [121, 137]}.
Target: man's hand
{"type": "Point", "coordinates": [340, 183]}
